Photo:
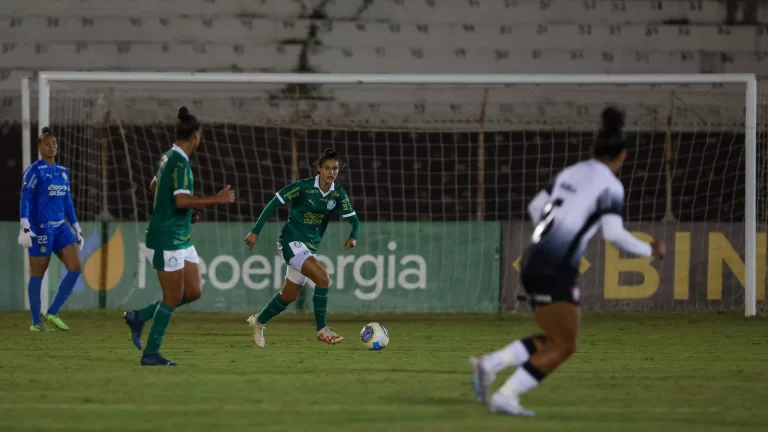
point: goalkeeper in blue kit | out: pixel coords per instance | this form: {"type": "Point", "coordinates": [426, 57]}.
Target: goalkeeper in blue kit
{"type": "Point", "coordinates": [46, 207]}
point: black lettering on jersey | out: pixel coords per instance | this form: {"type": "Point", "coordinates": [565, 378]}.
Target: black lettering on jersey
{"type": "Point", "coordinates": [567, 187]}
{"type": "Point", "coordinates": [603, 199]}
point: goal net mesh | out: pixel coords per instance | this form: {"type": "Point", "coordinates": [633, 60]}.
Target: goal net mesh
{"type": "Point", "coordinates": [440, 176]}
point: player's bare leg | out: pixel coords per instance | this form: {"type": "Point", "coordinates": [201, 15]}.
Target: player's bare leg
{"type": "Point", "coordinates": [287, 295]}
{"type": "Point", "coordinates": [192, 288]}
{"type": "Point", "coordinates": [37, 267]}
{"type": "Point", "coordinates": [172, 284]}
{"type": "Point", "coordinates": [560, 322]}
{"type": "Point", "coordinates": [317, 273]}
{"type": "Point", "coordinates": [136, 319]}
{"type": "Point", "coordinates": [70, 257]}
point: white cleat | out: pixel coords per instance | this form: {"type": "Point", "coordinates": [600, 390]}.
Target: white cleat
{"type": "Point", "coordinates": [504, 404]}
{"type": "Point", "coordinates": [258, 330]}
{"type": "Point", "coordinates": [482, 379]}
{"type": "Point", "coordinates": [329, 336]}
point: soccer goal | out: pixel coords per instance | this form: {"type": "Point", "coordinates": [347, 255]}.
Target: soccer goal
{"type": "Point", "coordinates": [440, 169]}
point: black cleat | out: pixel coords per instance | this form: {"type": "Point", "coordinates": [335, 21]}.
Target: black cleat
{"type": "Point", "coordinates": [137, 326]}
{"type": "Point", "coordinates": [155, 360]}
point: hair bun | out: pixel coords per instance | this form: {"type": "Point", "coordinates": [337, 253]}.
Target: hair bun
{"type": "Point", "coordinates": [612, 121]}
{"type": "Point", "coordinates": [46, 130]}
{"type": "Point", "coordinates": [329, 151]}
{"type": "Point", "coordinates": [183, 112]}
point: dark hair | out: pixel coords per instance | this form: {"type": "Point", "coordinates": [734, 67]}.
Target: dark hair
{"type": "Point", "coordinates": [187, 124]}
{"type": "Point", "coordinates": [328, 154]}
{"type": "Point", "coordinates": [46, 133]}
{"type": "Point", "coordinates": [610, 140]}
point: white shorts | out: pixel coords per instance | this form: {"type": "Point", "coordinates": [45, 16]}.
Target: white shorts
{"type": "Point", "coordinates": [171, 261]}
{"type": "Point", "coordinates": [298, 254]}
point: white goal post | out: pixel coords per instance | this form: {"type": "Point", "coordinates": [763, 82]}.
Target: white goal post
{"type": "Point", "coordinates": [749, 163]}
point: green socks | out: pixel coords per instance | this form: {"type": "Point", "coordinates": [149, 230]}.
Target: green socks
{"type": "Point", "coordinates": [147, 312]}
{"type": "Point", "coordinates": [320, 301]}
{"type": "Point", "coordinates": [274, 307]}
{"type": "Point", "coordinates": [159, 324]}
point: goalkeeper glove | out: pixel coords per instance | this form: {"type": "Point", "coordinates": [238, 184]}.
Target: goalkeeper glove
{"type": "Point", "coordinates": [25, 235]}
{"type": "Point", "coordinates": [79, 235]}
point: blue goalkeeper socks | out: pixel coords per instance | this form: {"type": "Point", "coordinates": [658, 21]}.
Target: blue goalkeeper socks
{"type": "Point", "coordinates": [65, 289]}
{"type": "Point", "coordinates": [33, 292]}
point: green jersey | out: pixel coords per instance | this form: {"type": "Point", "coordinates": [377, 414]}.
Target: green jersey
{"type": "Point", "coordinates": [311, 209]}
{"type": "Point", "coordinates": [168, 227]}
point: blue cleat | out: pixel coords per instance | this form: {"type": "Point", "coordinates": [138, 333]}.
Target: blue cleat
{"type": "Point", "coordinates": [155, 360]}
{"type": "Point", "coordinates": [137, 326]}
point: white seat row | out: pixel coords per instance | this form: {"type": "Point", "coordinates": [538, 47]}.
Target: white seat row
{"type": "Point", "coordinates": [404, 60]}
{"type": "Point", "coordinates": [649, 37]}
{"type": "Point", "coordinates": [154, 8]}
{"type": "Point", "coordinates": [426, 36]}
{"type": "Point", "coordinates": [137, 29]}
{"type": "Point", "coordinates": [535, 11]}
{"type": "Point", "coordinates": [699, 107]}
{"type": "Point", "coordinates": [445, 11]}
{"type": "Point", "coordinates": [149, 56]}
{"type": "Point", "coordinates": [228, 57]}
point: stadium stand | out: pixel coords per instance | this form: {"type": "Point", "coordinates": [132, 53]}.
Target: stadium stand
{"type": "Point", "coordinates": [387, 36]}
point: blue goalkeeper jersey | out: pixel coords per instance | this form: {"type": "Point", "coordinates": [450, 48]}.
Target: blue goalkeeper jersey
{"type": "Point", "coordinates": [45, 196]}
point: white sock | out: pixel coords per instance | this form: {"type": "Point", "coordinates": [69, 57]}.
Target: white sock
{"type": "Point", "coordinates": [513, 354]}
{"type": "Point", "coordinates": [520, 382]}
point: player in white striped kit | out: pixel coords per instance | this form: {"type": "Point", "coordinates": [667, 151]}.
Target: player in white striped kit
{"type": "Point", "coordinates": [584, 197]}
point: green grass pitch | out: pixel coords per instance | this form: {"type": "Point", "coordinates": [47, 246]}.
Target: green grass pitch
{"type": "Point", "coordinates": [633, 372]}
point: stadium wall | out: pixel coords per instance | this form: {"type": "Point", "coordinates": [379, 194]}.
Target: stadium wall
{"type": "Point", "coordinates": [703, 270]}
{"type": "Point", "coordinates": [410, 267]}
{"type": "Point", "coordinates": [397, 267]}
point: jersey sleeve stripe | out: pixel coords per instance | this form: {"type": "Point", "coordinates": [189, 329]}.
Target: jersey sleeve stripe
{"type": "Point", "coordinates": [349, 215]}
{"type": "Point", "coordinates": [282, 201]}
{"type": "Point", "coordinates": [181, 192]}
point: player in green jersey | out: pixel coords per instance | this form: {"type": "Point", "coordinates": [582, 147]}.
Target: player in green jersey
{"type": "Point", "coordinates": [313, 201]}
{"type": "Point", "coordinates": [168, 239]}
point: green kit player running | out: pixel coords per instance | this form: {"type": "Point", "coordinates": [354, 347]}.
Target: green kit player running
{"type": "Point", "coordinates": [313, 201]}
{"type": "Point", "coordinates": [168, 239]}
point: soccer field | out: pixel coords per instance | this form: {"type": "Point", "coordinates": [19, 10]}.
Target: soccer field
{"type": "Point", "coordinates": [632, 372]}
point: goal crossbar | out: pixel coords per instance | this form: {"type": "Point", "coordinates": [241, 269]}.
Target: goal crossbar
{"type": "Point", "coordinates": [750, 123]}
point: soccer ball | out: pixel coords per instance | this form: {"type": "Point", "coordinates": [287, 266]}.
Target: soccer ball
{"type": "Point", "coordinates": [374, 336]}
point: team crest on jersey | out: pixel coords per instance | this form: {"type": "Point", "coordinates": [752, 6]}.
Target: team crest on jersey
{"type": "Point", "coordinates": [64, 175]}
{"type": "Point", "coordinates": [331, 205]}
{"type": "Point", "coordinates": [297, 244]}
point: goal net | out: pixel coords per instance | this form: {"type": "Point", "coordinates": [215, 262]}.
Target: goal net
{"type": "Point", "coordinates": [440, 176]}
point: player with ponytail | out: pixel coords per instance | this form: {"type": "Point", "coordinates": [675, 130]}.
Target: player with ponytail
{"type": "Point", "coordinates": [169, 241]}
{"type": "Point", "coordinates": [584, 197]}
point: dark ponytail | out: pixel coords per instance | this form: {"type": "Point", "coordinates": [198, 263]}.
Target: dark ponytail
{"type": "Point", "coordinates": [610, 140]}
{"type": "Point", "coordinates": [186, 125]}
{"type": "Point", "coordinates": [46, 133]}
{"type": "Point", "coordinates": [328, 154]}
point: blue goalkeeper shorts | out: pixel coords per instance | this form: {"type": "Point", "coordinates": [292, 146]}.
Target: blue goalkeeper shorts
{"type": "Point", "coordinates": [51, 239]}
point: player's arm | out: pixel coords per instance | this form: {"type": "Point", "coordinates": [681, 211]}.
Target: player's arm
{"type": "Point", "coordinates": [153, 185]}
{"type": "Point", "coordinates": [537, 204]}
{"type": "Point", "coordinates": [69, 213]}
{"type": "Point", "coordinates": [183, 196]}
{"type": "Point", "coordinates": [283, 196]}
{"type": "Point", "coordinates": [348, 212]}
{"type": "Point", "coordinates": [28, 193]}
{"type": "Point", "coordinates": [611, 204]}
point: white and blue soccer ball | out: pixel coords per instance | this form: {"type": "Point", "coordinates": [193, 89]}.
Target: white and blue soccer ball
{"type": "Point", "coordinates": [374, 336]}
